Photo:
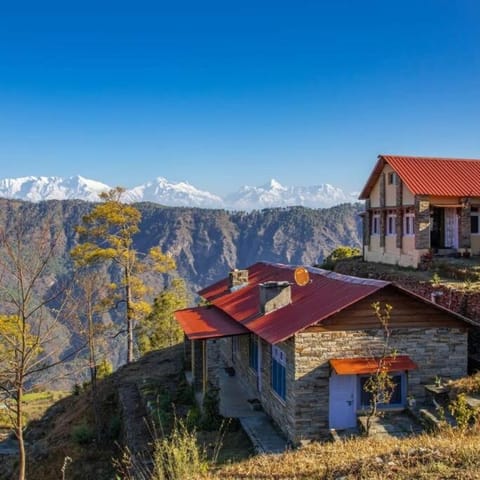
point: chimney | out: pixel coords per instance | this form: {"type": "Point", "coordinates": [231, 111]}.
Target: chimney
{"type": "Point", "coordinates": [237, 279]}
{"type": "Point", "coordinates": [274, 295]}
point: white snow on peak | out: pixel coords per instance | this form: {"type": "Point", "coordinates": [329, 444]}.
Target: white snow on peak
{"type": "Point", "coordinates": [274, 194]}
{"type": "Point", "coordinates": [36, 189]}
{"type": "Point", "coordinates": [181, 194]}
{"type": "Point", "coordinates": [162, 191]}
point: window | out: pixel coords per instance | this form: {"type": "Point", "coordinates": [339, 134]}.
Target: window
{"type": "Point", "coordinates": [392, 178]}
{"type": "Point", "coordinates": [279, 370]}
{"type": "Point", "coordinates": [474, 223]}
{"type": "Point", "coordinates": [376, 224]}
{"type": "Point", "coordinates": [398, 395]}
{"type": "Point", "coordinates": [253, 352]}
{"type": "Point", "coordinates": [408, 224]}
{"type": "Point", "coordinates": [391, 224]}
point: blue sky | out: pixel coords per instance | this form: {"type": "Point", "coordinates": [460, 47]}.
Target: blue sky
{"type": "Point", "coordinates": [235, 92]}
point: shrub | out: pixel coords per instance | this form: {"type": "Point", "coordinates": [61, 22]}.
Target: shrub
{"type": "Point", "coordinates": [114, 427]}
{"type": "Point", "coordinates": [211, 418]}
{"type": "Point", "coordinates": [178, 455]}
{"type": "Point", "coordinates": [340, 253]}
{"type": "Point", "coordinates": [83, 434]}
{"type": "Point", "coordinates": [462, 412]}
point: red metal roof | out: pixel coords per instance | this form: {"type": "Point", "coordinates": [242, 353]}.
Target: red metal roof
{"type": "Point", "coordinates": [449, 177]}
{"type": "Point", "coordinates": [365, 365]}
{"type": "Point", "coordinates": [326, 294]}
{"type": "Point", "coordinates": [206, 322]}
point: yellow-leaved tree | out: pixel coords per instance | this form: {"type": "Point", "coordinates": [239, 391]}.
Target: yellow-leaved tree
{"type": "Point", "coordinates": [106, 235]}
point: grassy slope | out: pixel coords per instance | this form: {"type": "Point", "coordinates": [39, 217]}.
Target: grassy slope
{"type": "Point", "coordinates": [449, 455]}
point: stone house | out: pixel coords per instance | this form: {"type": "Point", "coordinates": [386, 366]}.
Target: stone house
{"type": "Point", "coordinates": [307, 350]}
{"type": "Point", "coordinates": [417, 204]}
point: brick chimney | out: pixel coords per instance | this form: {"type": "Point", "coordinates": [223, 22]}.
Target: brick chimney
{"type": "Point", "coordinates": [274, 295]}
{"type": "Point", "coordinates": [237, 279]}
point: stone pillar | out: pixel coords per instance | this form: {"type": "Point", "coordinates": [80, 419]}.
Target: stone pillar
{"type": "Point", "coordinates": [187, 350]}
{"type": "Point", "coordinates": [422, 222]}
{"type": "Point", "coordinates": [213, 362]}
{"type": "Point", "coordinates": [464, 234]}
{"type": "Point", "coordinates": [198, 347]}
{"type": "Point", "coordinates": [383, 219]}
{"type": "Point", "coordinates": [367, 222]}
{"type": "Point", "coordinates": [399, 218]}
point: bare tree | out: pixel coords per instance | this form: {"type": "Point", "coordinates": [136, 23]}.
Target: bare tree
{"type": "Point", "coordinates": [380, 385]}
{"type": "Point", "coordinates": [31, 304]}
{"type": "Point", "coordinates": [89, 301]}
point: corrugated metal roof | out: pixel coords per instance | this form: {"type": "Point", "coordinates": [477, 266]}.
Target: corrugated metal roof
{"type": "Point", "coordinates": [449, 177]}
{"type": "Point", "coordinates": [201, 323]}
{"type": "Point", "coordinates": [365, 365]}
{"type": "Point", "coordinates": [326, 294]}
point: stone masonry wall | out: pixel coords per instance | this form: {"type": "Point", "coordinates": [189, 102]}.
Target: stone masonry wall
{"type": "Point", "coordinates": [382, 214]}
{"type": "Point", "coordinates": [400, 212]}
{"type": "Point", "coordinates": [213, 363]}
{"type": "Point", "coordinates": [422, 222]}
{"type": "Point", "coordinates": [464, 235]}
{"type": "Point", "coordinates": [436, 351]}
{"type": "Point", "coordinates": [367, 219]}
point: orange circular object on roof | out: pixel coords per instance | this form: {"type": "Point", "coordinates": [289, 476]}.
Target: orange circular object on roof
{"type": "Point", "coordinates": [301, 276]}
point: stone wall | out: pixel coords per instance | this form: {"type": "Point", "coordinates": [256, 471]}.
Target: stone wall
{"type": "Point", "coordinates": [464, 235]}
{"type": "Point", "coordinates": [436, 351]}
{"type": "Point", "coordinates": [213, 363]}
{"type": "Point", "coordinates": [422, 222]}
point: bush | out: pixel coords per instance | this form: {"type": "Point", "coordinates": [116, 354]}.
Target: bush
{"type": "Point", "coordinates": [179, 456]}
{"type": "Point", "coordinates": [83, 434]}
{"type": "Point", "coordinates": [211, 418]}
{"type": "Point", "coordinates": [114, 427]}
{"type": "Point", "coordinates": [340, 253]}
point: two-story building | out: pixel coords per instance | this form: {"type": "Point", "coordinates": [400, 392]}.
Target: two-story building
{"type": "Point", "coordinates": [417, 204]}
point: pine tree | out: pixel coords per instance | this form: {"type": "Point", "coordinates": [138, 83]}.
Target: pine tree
{"type": "Point", "coordinates": [106, 235]}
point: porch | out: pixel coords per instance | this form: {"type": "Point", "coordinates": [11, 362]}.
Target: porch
{"type": "Point", "coordinates": [238, 401]}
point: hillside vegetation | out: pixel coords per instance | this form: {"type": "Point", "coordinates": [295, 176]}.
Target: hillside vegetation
{"type": "Point", "coordinates": [65, 432]}
{"type": "Point", "coordinates": [205, 243]}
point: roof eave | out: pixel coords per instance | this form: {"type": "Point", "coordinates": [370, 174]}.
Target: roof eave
{"type": "Point", "coordinates": [372, 179]}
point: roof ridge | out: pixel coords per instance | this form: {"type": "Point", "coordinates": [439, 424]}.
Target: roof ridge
{"type": "Point", "coordinates": [333, 275]}
{"type": "Point", "coordinates": [421, 157]}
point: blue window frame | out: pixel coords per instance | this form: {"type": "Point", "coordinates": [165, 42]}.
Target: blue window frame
{"type": "Point", "coordinates": [279, 372]}
{"type": "Point", "coordinates": [398, 395]}
{"type": "Point", "coordinates": [253, 352]}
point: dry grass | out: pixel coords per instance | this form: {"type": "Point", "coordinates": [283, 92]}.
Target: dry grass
{"type": "Point", "coordinates": [449, 455]}
{"type": "Point", "coordinates": [468, 385]}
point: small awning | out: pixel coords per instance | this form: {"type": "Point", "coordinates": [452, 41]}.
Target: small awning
{"type": "Point", "coordinates": [366, 365]}
{"type": "Point", "coordinates": [201, 323]}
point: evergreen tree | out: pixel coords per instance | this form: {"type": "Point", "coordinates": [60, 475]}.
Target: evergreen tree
{"type": "Point", "coordinates": [106, 235]}
{"type": "Point", "coordinates": [159, 329]}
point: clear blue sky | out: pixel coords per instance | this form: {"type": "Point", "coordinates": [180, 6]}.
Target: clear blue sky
{"type": "Point", "coordinates": [235, 92]}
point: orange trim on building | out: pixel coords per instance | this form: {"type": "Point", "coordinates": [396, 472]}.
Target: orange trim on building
{"type": "Point", "coordinates": [368, 365]}
{"type": "Point", "coordinates": [202, 323]}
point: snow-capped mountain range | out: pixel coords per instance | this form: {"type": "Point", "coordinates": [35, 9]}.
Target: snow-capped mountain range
{"type": "Point", "coordinates": [160, 190]}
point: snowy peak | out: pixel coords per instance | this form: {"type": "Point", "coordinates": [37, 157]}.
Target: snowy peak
{"type": "Point", "coordinates": [36, 189]}
{"type": "Point", "coordinates": [180, 194]}
{"type": "Point", "coordinates": [274, 194]}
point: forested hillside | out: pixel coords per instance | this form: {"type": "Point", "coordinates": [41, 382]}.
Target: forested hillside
{"type": "Point", "coordinates": [207, 243]}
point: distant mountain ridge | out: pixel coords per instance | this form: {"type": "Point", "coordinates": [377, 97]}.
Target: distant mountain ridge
{"type": "Point", "coordinates": [180, 194]}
